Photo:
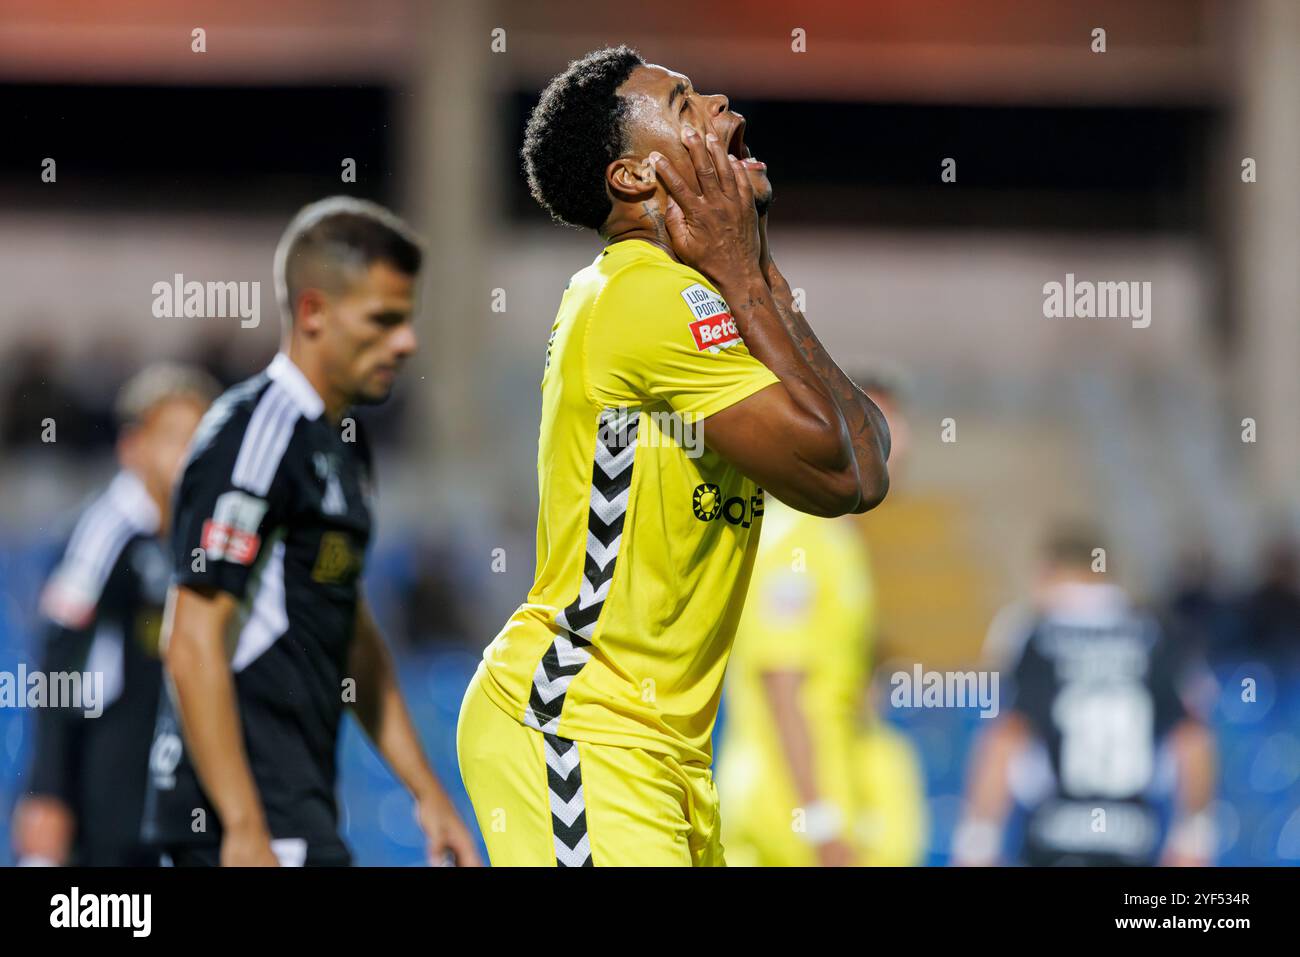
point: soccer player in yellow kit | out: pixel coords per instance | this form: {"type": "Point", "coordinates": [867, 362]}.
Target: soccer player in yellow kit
{"type": "Point", "coordinates": [794, 690]}
{"type": "Point", "coordinates": [679, 388]}
{"type": "Point", "coordinates": [805, 779]}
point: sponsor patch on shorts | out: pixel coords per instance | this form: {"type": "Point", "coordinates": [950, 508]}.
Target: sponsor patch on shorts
{"type": "Point", "coordinates": [713, 328]}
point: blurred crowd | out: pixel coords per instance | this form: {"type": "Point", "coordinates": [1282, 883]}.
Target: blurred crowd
{"type": "Point", "coordinates": [39, 377]}
{"type": "Point", "coordinates": [1259, 620]}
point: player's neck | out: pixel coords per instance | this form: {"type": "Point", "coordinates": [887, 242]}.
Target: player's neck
{"type": "Point", "coordinates": [643, 221]}
{"type": "Point", "coordinates": [645, 235]}
{"type": "Point", "coordinates": [336, 403]}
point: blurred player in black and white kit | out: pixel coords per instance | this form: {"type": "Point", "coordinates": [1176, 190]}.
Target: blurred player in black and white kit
{"type": "Point", "coordinates": [1097, 738]}
{"type": "Point", "coordinates": [102, 609]}
{"type": "Point", "coordinates": [268, 637]}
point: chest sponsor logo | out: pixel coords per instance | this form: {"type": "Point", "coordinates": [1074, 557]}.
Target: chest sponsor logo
{"type": "Point", "coordinates": [713, 328]}
{"type": "Point", "coordinates": [337, 561]}
{"type": "Point", "coordinates": [709, 505]}
{"type": "Point", "coordinates": [231, 533]}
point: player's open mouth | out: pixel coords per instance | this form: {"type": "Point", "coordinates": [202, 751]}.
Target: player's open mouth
{"type": "Point", "coordinates": [736, 144]}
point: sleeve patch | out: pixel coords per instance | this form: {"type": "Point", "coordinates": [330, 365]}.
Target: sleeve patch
{"type": "Point", "coordinates": [231, 532]}
{"type": "Point", "coordinates": [713, 328]}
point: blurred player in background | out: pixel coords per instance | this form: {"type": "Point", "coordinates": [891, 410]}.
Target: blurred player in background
{"type": "Point", "coordinates": [1095, 735]}
{"type": "Point", "coordinates": [805, 778]}
{"type": "Point", "coordinates": [273, 518]}
{"type": "Point", "coordinates": [587, 728]}
{"type": "Point", "coordinates": [102, 609]}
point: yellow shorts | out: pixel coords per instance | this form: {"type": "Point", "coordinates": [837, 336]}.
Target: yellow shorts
{"type": "Point", "coordinates": [543, 801]}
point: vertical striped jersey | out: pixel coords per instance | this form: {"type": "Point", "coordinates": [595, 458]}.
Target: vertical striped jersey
{"type": "Point", "coordinates": [273, 508]}
{"type": "Point", "coordinates": [101, 609]}
{"type": "Point", "coordinates": [645, 537]}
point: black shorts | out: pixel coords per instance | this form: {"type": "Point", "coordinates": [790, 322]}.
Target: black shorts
{"type": "Point", "coordinates": [94, 854]}
{"type": "Point", "coordinates": [209, 855]}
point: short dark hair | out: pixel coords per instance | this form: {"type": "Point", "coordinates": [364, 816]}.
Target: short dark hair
{"type": "Point", "coordinates": [333, 237]}
{"type": "Point", "coordinates": [575, 132]}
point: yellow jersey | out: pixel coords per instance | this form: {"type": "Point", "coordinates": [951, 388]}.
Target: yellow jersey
{"type": "Point", "coordinates": [645, 537]}
{"type": "Point", "coordinates": [812, 609]}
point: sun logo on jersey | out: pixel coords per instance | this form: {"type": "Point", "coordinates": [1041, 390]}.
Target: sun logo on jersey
{"type": "Point", "coordinates": [707, 502]}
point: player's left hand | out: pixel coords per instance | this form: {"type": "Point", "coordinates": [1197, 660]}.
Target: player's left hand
{"type": "Point", "coordinates": [447, 839]}
{"type": "Point", "coordinates": [756, 172]}
{"type": "Point", "coordinates": [715, 230]}
{"type": "Point", "coordinates": [761, 185]}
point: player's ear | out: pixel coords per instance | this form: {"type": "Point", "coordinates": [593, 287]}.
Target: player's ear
{"type": "Point", "coordinates": [630, 179]}
{"type": "Point", "coordinates": [309, 312]}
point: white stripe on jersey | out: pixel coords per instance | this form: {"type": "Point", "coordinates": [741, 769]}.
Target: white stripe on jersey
{"type": "Point", "coordinates": [274, 440]}
{"type": "Point", "coordinates": [122, 512]}
{"type": "Point", "coordinates": [269, 618]}
{"type": "Point", "coordinates": [265, 439]}
{"type": "Point", "coordinates": [97, 550]}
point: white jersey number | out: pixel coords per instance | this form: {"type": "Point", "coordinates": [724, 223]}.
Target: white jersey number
{"type": "Point", "coordinates": [1106, 738]}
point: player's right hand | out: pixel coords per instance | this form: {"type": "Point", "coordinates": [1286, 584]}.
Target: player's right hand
{"type": "Point", "coordinates": [247, 847]}
{"type": "Point", "coordinates": [715, 230]}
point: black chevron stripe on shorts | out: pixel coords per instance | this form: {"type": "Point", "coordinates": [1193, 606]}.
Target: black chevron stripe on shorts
{"type": "Point", "coordinates": [611, 483]}
{"type": "Point", "coordinates": [568, 808]}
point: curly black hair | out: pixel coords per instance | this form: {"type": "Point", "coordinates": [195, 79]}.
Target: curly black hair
{"type": "Point", "coordinates": [575, 132]}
